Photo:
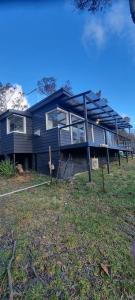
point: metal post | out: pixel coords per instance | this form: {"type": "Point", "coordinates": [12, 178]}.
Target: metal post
{"type": "Point", "coordinates": [87, 138]}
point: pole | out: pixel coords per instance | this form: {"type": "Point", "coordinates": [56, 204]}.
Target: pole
{"type": "Point", "coordinates": [14, 159]}
{"type": "Point", "coordinates": [127, 156]}
{"type": "Point", "coordinates": [87, 138]}
{"type": "Point", "coordinates": [108, 160]}
{"type": "Point", "coordinates": [107, 154]}
{"type": "Point", "coordinates": [119, 159]}
{"type": "Point", "coordinates": [116, 126]}
{"type": "Point", "coordinates": [50, 163]}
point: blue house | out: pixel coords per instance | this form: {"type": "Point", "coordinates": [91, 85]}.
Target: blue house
{"type": "Point", "coordinates": [63, 125]}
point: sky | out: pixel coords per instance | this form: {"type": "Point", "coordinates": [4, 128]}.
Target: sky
{"type": "Point", "coordinates": [52, 38]}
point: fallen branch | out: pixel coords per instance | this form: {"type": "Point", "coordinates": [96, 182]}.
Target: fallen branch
{"type": "Point", "coordinates": [10, 280]}
{"type": "Point", "coordinates": [33, 268]}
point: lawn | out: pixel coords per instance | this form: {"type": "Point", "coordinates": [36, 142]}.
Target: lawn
{"type": "Point", "coordinates": [73, 241]}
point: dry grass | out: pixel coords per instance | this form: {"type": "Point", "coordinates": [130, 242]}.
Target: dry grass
{"type": "Point", "coordinates": [70, 230]}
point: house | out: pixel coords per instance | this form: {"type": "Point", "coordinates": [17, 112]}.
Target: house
{"type": "Point", "coordinates": [62, 125]}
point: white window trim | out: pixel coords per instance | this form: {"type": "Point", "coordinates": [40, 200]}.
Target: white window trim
{"type": "Point", "coordinates": [92, 131]}
{"type": "Point", "coordinates": [60, 109]}
{"type": "Point", "coordinates": [17, 131]}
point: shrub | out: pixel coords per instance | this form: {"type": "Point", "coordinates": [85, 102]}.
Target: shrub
{"type": "Point", "coordinates": [7, 168]}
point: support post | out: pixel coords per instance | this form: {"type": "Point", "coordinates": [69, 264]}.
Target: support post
{"type": "Point", "coordinates": [116, 126]}
{"type": "Point", "coordinates": [108, 160]}
{"type": "Point", "coordinates": [107, 154]}
{"type": "Point", "coordinates": [87, 138]}
{"type": "Point", "coordinates": [127, 156]}
{"type": "Point", "coordinates": [14, 159]}
{"type": "Point", "coordinates": [119, 159]}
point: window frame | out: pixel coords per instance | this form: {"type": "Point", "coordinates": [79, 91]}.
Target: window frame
{"type": "Point", "coordinates": [62, 110]}
{"type": "Point", "coordinates": [16, 131]}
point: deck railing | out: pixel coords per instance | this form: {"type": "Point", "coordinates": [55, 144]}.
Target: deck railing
{"type": "Point", "coordinates": [97, 135]}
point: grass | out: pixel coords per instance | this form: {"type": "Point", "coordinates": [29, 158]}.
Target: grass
{"type": "Point", "coordinates": [66, 231]}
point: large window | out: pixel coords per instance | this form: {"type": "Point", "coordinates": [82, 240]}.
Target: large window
{"type": "Point", "coordinates": [56, 118]}
{"type": "Point", "coordinates": [77, 130]}
{"type": "Point", "coordinates": [16, 123]}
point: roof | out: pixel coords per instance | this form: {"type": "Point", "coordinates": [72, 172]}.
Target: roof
{"type": "Point", "coordinates": [9, 112]}
{"type": "Point", "coordinates": [97, 109]}
{"type": "Point", "coordinates": [58, 94]}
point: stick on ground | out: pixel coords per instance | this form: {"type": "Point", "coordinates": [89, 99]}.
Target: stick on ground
{"type": "Point", "coordinates": [10, 280]}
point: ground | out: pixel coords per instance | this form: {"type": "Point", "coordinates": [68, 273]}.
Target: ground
{"type": "Point", "coordinates": [73, 241]}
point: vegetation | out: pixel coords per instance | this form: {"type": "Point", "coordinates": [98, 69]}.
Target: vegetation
{"type": "Point", "coordinates": [73, 241]}
{"type": "Point", "coordinates": [7, 168]}
{"type": "Point", "coordinates": [96, 5]}
{"type": "Point", "coordinates": [12, 96]}
{"type": "Point", "coordinates": [48, 85]}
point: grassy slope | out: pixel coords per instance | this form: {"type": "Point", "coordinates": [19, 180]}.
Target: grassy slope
{"type": "Point", "coordinates": [70, 229]}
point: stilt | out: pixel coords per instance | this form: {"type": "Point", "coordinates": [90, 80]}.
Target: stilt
{"type": "Point", "coordinates": [14, 159]}
{"type": "Point", "coordinates": [119, 159]}
{"type": "Point", "coordinates": [89, 163]}
{"type": "Point", "coordinates": [108, 160]}
{"type": "Point", "coordinates": [127, 156]}
{"type": "Point", "coordinates": [34, 162]}
{"type": "Point", "coordinates": [26, 163]}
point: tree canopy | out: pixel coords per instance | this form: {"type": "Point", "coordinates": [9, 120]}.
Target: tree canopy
{"type": "Point", "coordinates": [96, 5]}
{"type": "Point", "coordinates": [12, 97]}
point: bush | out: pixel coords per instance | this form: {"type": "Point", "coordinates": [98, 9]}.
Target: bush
{"type": "Point", "coordinates": [7, 168]}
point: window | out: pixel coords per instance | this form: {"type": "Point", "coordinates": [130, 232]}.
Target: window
{"type": "Point", "coordinates": [16, 123]}
{"type": "Point", "coordinates": [56, 118]}
{"type": "Point", "coordinates": [77, 130]}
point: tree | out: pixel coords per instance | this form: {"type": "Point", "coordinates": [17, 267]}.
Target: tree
{"type": "Point", "coordinates": [67, 86]}
{"type": "Point", "coordinates": [47, 85]}
{"type": "Point", "coordinates": [12, 97]}
{"type": "Point", "coordinates": [96, 5]}
{"type": "Point", "coordinates": [92, 5]}
{"type": "Point", "coordinates": [132, 9]}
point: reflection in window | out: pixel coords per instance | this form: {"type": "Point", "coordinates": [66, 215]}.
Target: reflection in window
{"type": "Point", "coordinates": [16, 123]}
{"type": "Point", "coordinates": [77, 130]}
{"type": "Point", "coordinates": [56, 118]}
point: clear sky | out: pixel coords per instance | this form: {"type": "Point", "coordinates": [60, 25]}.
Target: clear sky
{"type": "Point", "coordinates": [53, 39]}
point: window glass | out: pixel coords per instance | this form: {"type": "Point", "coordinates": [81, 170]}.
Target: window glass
{"type": "Point", "coordinates": [16, 124]}
{"type": "Point", "coordinates": [78, 130]}
{"type": "Point", "coordinates": [56, 118]}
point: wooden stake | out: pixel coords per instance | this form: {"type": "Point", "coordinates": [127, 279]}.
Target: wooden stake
{"type": "Point", "coordinates": [50, 162]}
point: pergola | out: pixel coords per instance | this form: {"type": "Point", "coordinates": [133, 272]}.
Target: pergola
{"type": "Point", "coordinates": [92, 106]}
{"type": "Point", "coordinates": [97, 109]}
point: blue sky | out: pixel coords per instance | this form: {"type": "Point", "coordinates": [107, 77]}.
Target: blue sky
{"type": "Point", "coordinates": [93, 52]}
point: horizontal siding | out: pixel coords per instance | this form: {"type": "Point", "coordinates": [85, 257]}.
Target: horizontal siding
{"type": "Point", "coordinates": [47, 137]}
{"type": "Point", "coordinates": [99, 135]}
{"type": "Point", "coordinates": [7, 140]}
{"type": "Point", "coordinates": [42, 162]}
{"type": "Point", "coordinates": [23, 142]}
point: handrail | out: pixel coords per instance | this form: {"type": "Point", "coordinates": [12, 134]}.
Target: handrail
{"type": "Point", "coordinates": [102, 127]}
